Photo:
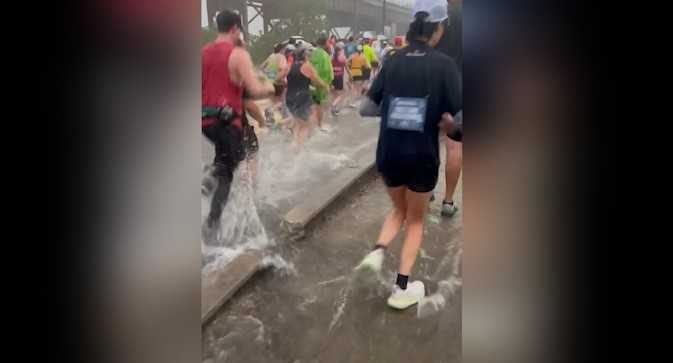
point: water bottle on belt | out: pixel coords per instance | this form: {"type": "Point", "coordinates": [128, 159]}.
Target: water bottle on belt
{"type": "Point", "coordinates": [223, 113]}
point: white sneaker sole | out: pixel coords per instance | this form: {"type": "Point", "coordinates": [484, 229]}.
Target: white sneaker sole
{"type": "Point", "coordinates": [449, 213]}
{"type": "Point", "coordinates": [402, 303]}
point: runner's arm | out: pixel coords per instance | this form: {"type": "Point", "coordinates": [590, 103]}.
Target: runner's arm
{"type": "Point", "coordinates": [452, 126]}
{"type": "Point", "coordinates": [371, 105]}
{"type": "Point", "coordinates": [241, 65]}
{"type": "Point", "coordinates": [310, 72]}
{"type": "Point", "coordinates": [283, 69]}
{"type": "Point", "coordinates": [457, 132]}
{"type": "Point", "coordinates": [376, 90]}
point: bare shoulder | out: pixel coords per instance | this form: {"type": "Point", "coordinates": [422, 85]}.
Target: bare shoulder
{"type": "Point", "coordinates": [239, 54]}
{"type": "Point", "coordinates": [306, 69]}
{"type": "Point", "coordinates": [238, 61]}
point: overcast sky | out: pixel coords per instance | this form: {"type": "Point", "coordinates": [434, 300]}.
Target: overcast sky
{"type": "Point", "coordinates": [256, 25]}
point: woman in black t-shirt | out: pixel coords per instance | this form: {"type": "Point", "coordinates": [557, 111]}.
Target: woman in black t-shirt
{"type": "Point", "coordinates": [416, 86]}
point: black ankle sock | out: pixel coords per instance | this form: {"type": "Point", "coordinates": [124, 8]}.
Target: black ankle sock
{"type": "Point", "coordinates": [402, 281]}
{"type": "Point", "coordinates": [377, 246]}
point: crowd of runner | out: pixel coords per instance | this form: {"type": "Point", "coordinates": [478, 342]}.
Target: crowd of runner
{"type": "Point", "coordinates": [314, 78]}
{"type": "Point", "coordinates": [413, 83]}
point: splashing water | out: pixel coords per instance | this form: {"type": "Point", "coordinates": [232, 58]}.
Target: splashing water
{"type": "Point", "coordinates": [240, 227]}
{"type": "Point", "coordinates": [282, 177]}
{"type": "Point", "coordinates": [282, 171]}
{"type": "Point", "coordinates": [436, 302]}
{"type": "Point", "coordinates": [280, 264]}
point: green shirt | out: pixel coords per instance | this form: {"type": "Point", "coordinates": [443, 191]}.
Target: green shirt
{"type": "Point", "coordinates": [322, 62]}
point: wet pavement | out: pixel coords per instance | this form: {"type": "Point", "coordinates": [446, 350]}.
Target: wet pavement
{"type": "Point", "coordinates": [253, 214]}
{"type": "Point", "coordinates": [313, 309]}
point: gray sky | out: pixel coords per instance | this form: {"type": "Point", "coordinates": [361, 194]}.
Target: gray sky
{"type": "Point", "coordinates": [257, 24]}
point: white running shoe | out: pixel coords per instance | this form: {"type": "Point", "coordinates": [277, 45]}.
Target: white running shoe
{"type": "Point", "coordinates": [402, 299]}
{"type": "Point", "coordinates": [448, 209]}
{"type": "Point", "coordinates": [372, 262]}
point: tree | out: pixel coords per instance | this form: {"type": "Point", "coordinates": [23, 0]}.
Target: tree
{"type": "Point", "coordinates": [305, 18]}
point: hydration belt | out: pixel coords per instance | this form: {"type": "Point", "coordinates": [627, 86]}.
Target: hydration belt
{"type": "Point", "coordinates": [222, 113]}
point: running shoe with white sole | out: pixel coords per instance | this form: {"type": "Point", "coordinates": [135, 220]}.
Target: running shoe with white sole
{"type": "Point", "coordinates": [448, 209]}
{"type": "Point", "coordinates": [403, 299]}
{"type": "Point", "coordinates": [372, 261]}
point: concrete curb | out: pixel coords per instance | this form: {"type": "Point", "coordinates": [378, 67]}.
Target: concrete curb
{"type": "Point", "coordinates": [221, 285]}
{"type": "Point", "coordinates": [298, 218]}
{"type": "Point", "coordinates": [217, 289]}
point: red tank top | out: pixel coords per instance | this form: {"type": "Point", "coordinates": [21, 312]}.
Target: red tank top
{"type": "Point", "coordinates": [338, 64]}
{"type": "Point", "coordinates": [217, 88]}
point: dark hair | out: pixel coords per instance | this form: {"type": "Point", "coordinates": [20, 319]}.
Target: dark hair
{"type": "Point", "coordinates": [421, 29]}
{"type": "Point", "coordinates": [278, 47]}
{"type": "Point", "coordinates": [350, 39]}
{"type": "Point", "coordinates": [226, 20]}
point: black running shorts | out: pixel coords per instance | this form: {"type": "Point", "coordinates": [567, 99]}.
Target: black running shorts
{"type": "Point", "coordinates": [338, 83]}
{"type": "Point", "coordinates": [418, 175]}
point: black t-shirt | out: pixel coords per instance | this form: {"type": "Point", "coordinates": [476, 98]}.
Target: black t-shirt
{"type": "Point", "coordinates": [416, 71]}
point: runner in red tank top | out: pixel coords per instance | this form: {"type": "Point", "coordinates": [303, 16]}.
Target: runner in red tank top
{"type": "Point", "coordinates": [227, 71]}
{"type": "Point", "coordinates": [217, 88]}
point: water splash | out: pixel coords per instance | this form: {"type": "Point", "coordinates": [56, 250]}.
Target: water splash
{"type": "Point", "coordinates": [434, 303]}
{"type": "Point", "coordinates": [240, 227]}
{"type": "Point", "coordinates": [340, 304]}
{"type": "Point", "coordinates": [340, 278]}
{"type": "Point", "coordinates": [280, 264]}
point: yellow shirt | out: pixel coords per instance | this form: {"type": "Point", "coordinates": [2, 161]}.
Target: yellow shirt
{"type": "Point", "coordinates": [370, 55]}
{"type": "Point", "coordinates": [356, 63]}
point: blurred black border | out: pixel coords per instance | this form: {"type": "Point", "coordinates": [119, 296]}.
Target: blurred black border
{"type": "Point", "coordinates": [581, 36]}
{"type": "Point", "coordinates": [578, 28]}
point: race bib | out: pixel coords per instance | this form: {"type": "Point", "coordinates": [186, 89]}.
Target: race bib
{"type": "Point", "coordinates": [408, 114]}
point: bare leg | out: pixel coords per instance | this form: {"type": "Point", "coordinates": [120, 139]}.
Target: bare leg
{"type": "Point", "coordinates": [393, 223]}
{"type": "Point", "coordinates": [355, 94]}
{"type": "Point", "coordinates": [318, 115]}
{"type": "Point", "coordinates": [416, 206]}
{"type": "Point", "coordinates": [252, 170]}
{"type": "Point", "coordinates": [301, 130]}
{"type": "Point", "coordinates": [324, 109]}
{"type": "Point", "coordinates": [337, 98]}
{"type": "Point", "coordinates": [454, 162]}
{"type": "Point", "coordinates": [254, 111]}
{"type": "Point", "coordinates": [313, 117]}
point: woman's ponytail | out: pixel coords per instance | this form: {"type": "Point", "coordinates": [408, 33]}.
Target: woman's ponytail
{"type": "Point", "coordinates": [420, 28]}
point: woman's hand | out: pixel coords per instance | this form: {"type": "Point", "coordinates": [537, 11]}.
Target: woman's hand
{"type": "Point", "coordinates": [446, 124]}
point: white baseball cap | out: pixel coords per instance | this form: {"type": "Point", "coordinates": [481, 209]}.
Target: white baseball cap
{"type": "Point", "coordinates": [437, 9]}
